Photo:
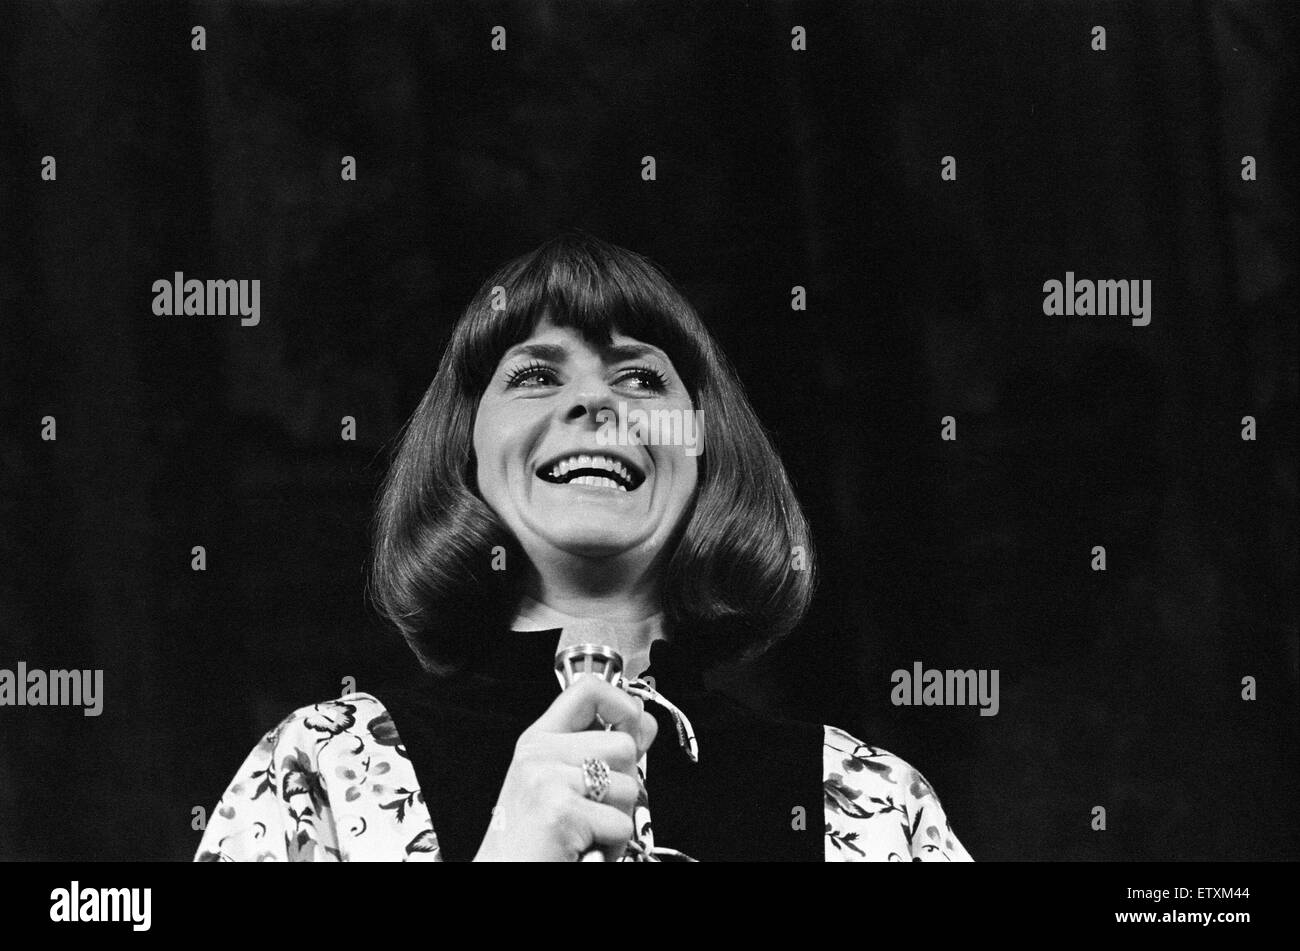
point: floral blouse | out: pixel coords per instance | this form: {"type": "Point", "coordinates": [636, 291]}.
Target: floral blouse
{"type": "Point", "coordinates": [333, 783]}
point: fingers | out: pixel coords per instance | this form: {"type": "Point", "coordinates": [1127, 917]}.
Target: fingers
{"type": "Point", "coordinates": [619, 750]}
{"type": "Point", "coordinates": [610, 829]}
{"type": "Point", "coordinates": [577, 707]}
{"type": "Point", "coordinates": [647, 729]}
{"type": "Point", "coordinates": [588, 697]}
{"type": "Point", "coordinates": [620, 794]}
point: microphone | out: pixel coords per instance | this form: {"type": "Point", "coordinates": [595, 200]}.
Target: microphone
{"type": "Point", "coordinates": [588, 660]}
{"type": "Point", "coordinates": [588, 654]}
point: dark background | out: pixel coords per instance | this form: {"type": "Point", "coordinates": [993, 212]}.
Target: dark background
{"type": "Point", "coordinates": [775, 168]}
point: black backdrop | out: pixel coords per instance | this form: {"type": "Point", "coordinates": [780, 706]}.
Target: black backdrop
{"type": "Point", "coordinates": [775, 168]}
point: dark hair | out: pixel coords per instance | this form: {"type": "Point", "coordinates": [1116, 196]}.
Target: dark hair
{"type": "Point", "coordinates": [732, 583]}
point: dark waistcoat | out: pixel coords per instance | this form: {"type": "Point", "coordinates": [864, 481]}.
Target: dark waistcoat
{"type": "Point", "coordinates": [738, 803]}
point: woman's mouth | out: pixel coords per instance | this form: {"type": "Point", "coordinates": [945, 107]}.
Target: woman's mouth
{"type": "Point", "coordinates": [599, 471]}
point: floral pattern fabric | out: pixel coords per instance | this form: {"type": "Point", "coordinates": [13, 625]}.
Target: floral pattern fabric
{"type": "Point", "coordinates": [333, 783]}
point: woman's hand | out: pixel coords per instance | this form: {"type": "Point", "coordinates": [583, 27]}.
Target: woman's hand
{"type": "Point", "coordinates": [542, 814]}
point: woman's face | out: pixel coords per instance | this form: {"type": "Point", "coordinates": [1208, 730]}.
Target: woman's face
{"type": "Point", "coordinates": [551, 474]}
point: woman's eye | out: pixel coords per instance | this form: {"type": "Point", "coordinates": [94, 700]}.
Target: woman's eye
{"type": "Point", "coordinates": [531, 376]}
{"type": "Point", "coordinates": [645, 378]}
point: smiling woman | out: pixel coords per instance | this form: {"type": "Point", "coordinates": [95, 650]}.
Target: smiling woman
{"type": "Point", "coordinates": [508, 528]}
{"type": "Point", "coordinates": [573, 506]}
{"type": "Point", "coordinates": [586, 329]}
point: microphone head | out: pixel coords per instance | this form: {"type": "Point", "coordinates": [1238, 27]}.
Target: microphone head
{"type": "Point", "coordinates": [587, 660]}
{"type": "Point", "coordinates": [587, 647]}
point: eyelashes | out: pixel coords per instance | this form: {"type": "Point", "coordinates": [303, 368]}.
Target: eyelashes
{"type": "Point", "coordinates": [650, 378]}
{"type": "Point", "coordinates": [516, 376]}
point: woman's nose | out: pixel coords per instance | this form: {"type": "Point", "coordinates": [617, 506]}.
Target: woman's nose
{"type": "Point", "coordinates": [590, 397]}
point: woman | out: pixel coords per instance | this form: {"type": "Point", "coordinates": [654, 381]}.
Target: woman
{"type": "Point", "coordinates": [551, 489]}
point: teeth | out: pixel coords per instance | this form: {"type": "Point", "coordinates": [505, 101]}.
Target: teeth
{"type": "Point", "coordinates": [599, 482]}
{"type": "Point", "coordinates": [591, 462]}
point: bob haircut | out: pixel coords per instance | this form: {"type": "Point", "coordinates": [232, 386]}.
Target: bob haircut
{"type": "Point", "coordinates": [739, 572]}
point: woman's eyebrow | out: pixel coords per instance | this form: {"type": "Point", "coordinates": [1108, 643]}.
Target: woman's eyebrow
{"type": "Point", "coordinates": [553, 352]}
{"type": "Point", "coordinates": [632, 351]}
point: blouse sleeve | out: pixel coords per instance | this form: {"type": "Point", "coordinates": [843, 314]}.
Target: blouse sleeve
{"type": "Point", "coordinates": [335, 771]}
{"type": "Point", "coordinates": [275, 809]}
{"type": "Point", "coordinates": [880, 809]}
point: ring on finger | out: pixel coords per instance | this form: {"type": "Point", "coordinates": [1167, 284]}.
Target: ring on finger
{"type": "Point", "coordinates": [595, 779]}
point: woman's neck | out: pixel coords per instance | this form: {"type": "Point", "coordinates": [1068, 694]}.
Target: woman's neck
{"type": "Point", "coordinates": [626, 626]}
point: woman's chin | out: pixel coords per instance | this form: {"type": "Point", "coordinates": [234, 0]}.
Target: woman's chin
{"type": "Point", "coordinates": [593, 545]}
